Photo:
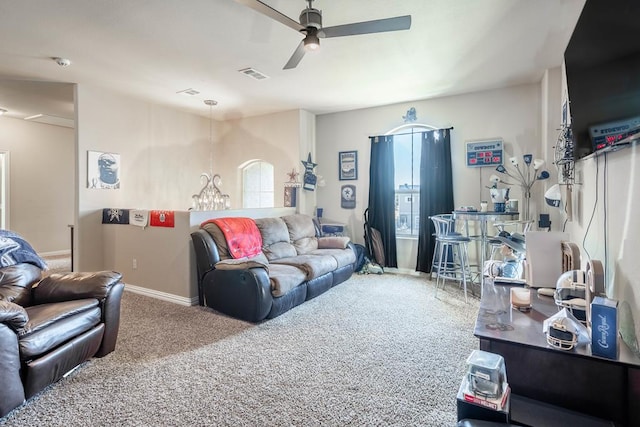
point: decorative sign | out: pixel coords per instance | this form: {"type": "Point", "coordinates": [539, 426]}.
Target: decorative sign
{"type": "Point", "coordinates": [310, 179]}
{"type": "Point", "coordinates": [348, 165]}
{"type": "Point", "coordinates": [290, 197]}
{"type": "Point", "coordinates": [139, 217]}
{"type": "Point", "coordinates": [115, 216]}
{"type": "Point", "coordinates": [162, 218]}
{"type": "Point", "coordinates": [348, 197]}
{"type": "Point", "coordinates": [484, 153]}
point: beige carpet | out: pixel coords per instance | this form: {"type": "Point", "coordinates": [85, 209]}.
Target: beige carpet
{"type": "Point", "coordinates": [375, 350]}
{"type": "Point", "coordinates": [57, 264]}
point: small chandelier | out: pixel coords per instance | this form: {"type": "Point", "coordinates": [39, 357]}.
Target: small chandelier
{"type": "Point", "coordinates": [210, 197]}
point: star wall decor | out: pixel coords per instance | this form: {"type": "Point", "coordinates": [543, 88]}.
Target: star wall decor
{"type": "Point", "coordinates": [310, 178]}
{"type": "Point", "coordinates": [293, 175]}
{"type": "Point", "coordinates": [309, 165]}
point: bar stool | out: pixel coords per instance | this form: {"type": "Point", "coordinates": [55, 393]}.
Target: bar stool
{"type": "Point", "coordinates": [442, 228]}
{"type": "Point", "coordinates": [452, 261]}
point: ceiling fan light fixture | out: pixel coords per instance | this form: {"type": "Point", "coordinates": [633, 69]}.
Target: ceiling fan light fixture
{"type": "Point", "coordinates": [311, 41]}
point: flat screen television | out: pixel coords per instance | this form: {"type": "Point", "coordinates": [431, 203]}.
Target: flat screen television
{"type": "Point", "coordinates": [602, 62]}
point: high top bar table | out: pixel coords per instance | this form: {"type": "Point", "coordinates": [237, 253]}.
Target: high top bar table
{"type": "Point", "coordinates": [482, 218]}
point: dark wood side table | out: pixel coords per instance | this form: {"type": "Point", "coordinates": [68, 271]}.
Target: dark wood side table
{"type": "Point", "coordinates": [575, 379]}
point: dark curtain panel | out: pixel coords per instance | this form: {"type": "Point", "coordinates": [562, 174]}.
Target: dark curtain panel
{"type": "Point", "coordinates": [436, 190]}
{"type": "Point", "coordinates": [382, 198]}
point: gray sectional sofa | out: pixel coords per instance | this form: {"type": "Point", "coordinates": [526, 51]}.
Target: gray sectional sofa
{"type": "Point", "coordinates": [295, 264]}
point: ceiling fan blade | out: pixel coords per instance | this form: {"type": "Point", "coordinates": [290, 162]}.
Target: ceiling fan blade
{"type": "Point", "coordinates": [367, 27]}
{"type": "Point", "coordinates": [296, 57]}
{"type": "Point", "coordinates": [267, 10]}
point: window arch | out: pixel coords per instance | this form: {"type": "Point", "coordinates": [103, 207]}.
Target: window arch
{"type": "Point", "coordinates": [257, 184]}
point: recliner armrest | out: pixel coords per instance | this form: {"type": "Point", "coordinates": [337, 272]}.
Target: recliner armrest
{"type": "Point", "coordinates": [71, 286]}
{"type": "Point", "coordinates": [13, 315]}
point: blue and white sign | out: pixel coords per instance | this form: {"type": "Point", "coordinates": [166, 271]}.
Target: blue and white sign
{"type": "Point", "coordinates": [485, 153]}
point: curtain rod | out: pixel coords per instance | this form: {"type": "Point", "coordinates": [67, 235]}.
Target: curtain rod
{"type": "Point", "coordinates": [411, 133]}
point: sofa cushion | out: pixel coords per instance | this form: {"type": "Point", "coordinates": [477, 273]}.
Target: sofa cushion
{"type": "Point", "coordinates": [302, 233]}
{"type": "Point", "coordinates": [342, 256]}
{"type": "Point", "coordinates": [312, 265]}
{"type": "Point", "coordinates": [284, 277]}
{"type": "Point", "coordinates": [275, 238]}
{"type": "Point", "coordinates": [52, 324]}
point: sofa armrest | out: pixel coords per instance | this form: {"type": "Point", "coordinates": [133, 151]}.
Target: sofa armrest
{"type": "Point", "coordinates": [72, 286]}
{"type": "Point", "coordinates": [244, 294]}
{"type": "Point", "coordinates": [111, 319]}
{"type": "Point", "coordinates": [11, 389]}
{"type": "Point", "coordinates": [206, 256]}
{"type": "Point", "coordinates": [13, 315]}
{"type": "Point", "coordinates": [243, 263]}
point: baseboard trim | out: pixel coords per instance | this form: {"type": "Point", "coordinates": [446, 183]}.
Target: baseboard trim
{"type": "Point", "coordinates": [54, 253]}
{"type": "Point", "coordinates": [161, 295]}
{"type": "Point", "coordinates": [406, 271]}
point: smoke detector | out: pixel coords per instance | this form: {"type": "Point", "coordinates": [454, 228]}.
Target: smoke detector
{"type": "Point", "coordinates": [63, 62]}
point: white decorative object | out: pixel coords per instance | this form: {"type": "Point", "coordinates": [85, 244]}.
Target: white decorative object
{"type": "Point", "coordinates": [210, 198]}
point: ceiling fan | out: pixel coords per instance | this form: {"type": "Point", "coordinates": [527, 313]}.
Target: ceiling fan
{"type": "Point", "coordinates": [311, 25]}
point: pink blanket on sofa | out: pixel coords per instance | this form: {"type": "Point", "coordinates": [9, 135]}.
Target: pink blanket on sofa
{"type": "Point", "coordinates": [242, 235]}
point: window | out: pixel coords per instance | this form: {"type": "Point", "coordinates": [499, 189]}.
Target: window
{"type": "Point", "coordinates": [407, 142]}
{"type": "Point", "coordinates": [257, 185]}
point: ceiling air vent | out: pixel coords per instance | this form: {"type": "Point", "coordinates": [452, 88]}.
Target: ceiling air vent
{"type": "Point", "coordinates": [190, 92]}
{"type": "Point", "coordinates": [253, 73]}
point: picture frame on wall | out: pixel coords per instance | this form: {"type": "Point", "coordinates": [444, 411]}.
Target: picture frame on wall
{"type": "Point", "coordinates": [348, 165]}
{"type": "Point", "coordinates": [290, 197]}
{"type": "Point", "coordinates": [103, 170]}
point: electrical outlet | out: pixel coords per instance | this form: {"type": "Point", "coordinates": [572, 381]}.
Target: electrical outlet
{"type": "Point", "coordinates": [135, 264]}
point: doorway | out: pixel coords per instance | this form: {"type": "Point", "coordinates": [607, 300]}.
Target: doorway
{"type": "Point", "coordinates": [4, 189]}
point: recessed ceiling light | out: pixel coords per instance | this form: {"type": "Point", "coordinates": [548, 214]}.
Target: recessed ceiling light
{"type": "Point", "coordinates": [190, 92]}
{"type": "Point", "coordinates": [2, 111]}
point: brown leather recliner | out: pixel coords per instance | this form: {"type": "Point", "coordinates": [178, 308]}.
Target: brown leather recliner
{"type": "Point", "coordinates": [50, 326]}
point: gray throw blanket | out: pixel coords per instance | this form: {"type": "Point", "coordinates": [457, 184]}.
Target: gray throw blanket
{"type": "Point", "coordinates": [14, 250]}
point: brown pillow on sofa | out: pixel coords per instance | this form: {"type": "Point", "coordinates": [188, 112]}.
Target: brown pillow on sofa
{"type": "Point", "coordinates": [333, 242]}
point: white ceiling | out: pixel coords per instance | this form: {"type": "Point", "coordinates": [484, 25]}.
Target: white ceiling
{"type": "Point", "coordinates": [154, 48]}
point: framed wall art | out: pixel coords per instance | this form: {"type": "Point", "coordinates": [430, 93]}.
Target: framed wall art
{"type": "Point", "coordinates": [347, 165]}
{"type": "Point", "coordinates": [103, 170]}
